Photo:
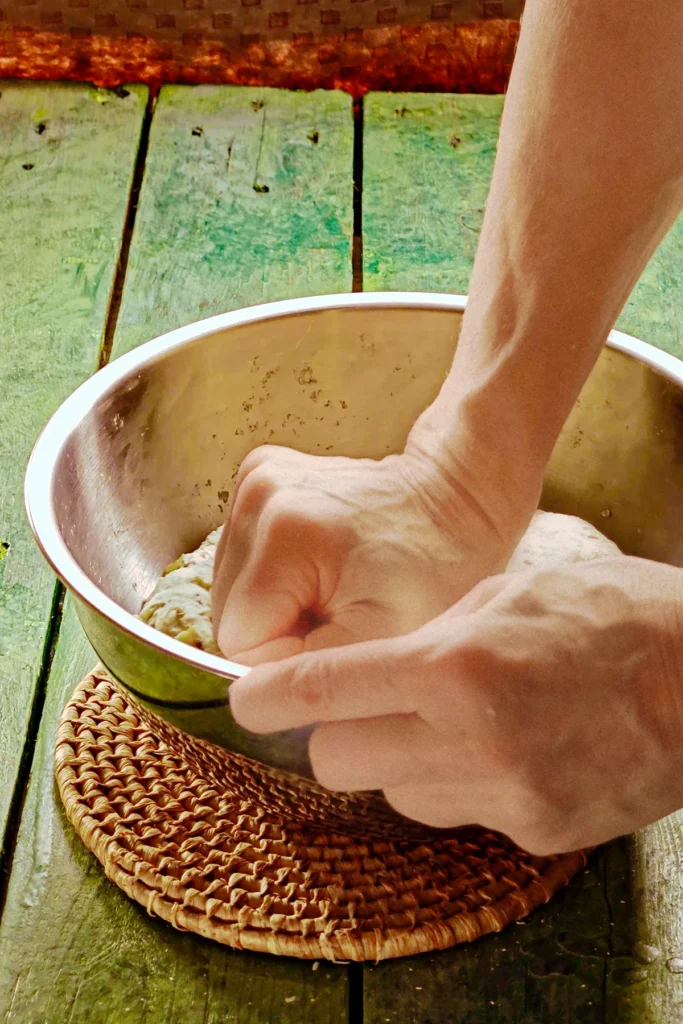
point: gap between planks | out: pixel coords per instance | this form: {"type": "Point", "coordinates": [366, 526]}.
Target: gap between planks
{"type": "Point", "coordinates": [357, 249]}
{"type": "Point", "coordinates": [9, 844]}
{"type": "Point", "coordinates": [129, 225]}
{"type": "Point", "coordinates": [16, 806]}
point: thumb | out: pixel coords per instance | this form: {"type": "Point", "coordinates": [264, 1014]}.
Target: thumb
{"type": "Point", "coordinates": [277, 583]}
{"type": "Point", "coordinates": [253, 617]}
{"type": "Point", "coordinates": [376, 677]}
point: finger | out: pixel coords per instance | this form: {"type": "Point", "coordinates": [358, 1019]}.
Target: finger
{"type": "Point", "coordinates": [235, 541]}
{"type": "Point", "coordinates": [358, 681]}
{"type": "Point", "coordinates": [252, 618]}
{"type": "Point", "coordinates": [436, 804]}
{"type": "Point", "coordinates": [371, 753]}
{"type": "Point", "coordinates": [329, 635]}
{"type": "Point", "coordinates": [265, 455]}
{"type": "Point", "coordinates": [235, 545]}
{"type": "Point", "coordinates": [274, 650]}
{"type": "Point", "coordinates": [220, 554]}
{"type": "Point", "coordinates": [266, 601]}
{"type": "Point", "coordinates": [249, 463]}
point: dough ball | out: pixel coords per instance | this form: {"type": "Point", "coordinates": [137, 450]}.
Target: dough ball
{"type": "Point", "coordinates": [180, 604]}
{"type": "Point", "coordinates": [553, 540]}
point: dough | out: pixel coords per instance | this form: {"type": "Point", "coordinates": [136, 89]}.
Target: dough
{"type": "Point", "coordinates": [180, 604]}
{"type": "Point", "coordinates": [553, 540]}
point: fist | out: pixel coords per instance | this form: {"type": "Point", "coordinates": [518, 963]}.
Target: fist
{"type": "Point", "coordinates": [323, 552]}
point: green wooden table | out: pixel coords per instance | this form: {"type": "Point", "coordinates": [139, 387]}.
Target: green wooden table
{"type": "Point", "coordinates": [122, 216]}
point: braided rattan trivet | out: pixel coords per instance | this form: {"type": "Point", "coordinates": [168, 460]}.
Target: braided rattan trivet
{"type": "Point", "coordinates": [209, 841]}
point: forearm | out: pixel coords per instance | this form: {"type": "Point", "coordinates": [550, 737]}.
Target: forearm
{"type": "Point", "coordinates": [588, 179]}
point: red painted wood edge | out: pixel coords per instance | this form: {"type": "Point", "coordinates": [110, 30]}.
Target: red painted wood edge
{"type": "Point", "coordinates": [431, 57]}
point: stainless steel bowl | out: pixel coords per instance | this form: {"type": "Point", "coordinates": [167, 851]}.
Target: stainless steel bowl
{"type": "Point", "coordinates": [137, 465]}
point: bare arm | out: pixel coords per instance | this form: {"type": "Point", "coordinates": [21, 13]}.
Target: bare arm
{"type": "Point", "coordinates": [588, 179]}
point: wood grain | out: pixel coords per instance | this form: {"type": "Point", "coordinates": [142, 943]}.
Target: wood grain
{"type": "Point", "coordinates": [247, 197]}
{"type": "Point", "coordinates": [644, 983]}
{"type": "Point", "coordinates": [72, 946]}
{"type": "Point", "coordinates": [66, 159]}
{"type": "Point", "coordinates": [433, 155]}
{"type": "Point", "coordinates": [654, 311]}
{"type": "Point", "coordinates": [427, 165]}
{"type": "Point", "coordinates": [547, 969]}
{"type": "Point", "coordinates": [610, 948]}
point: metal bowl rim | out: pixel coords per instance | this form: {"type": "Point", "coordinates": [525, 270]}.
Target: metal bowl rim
{"type": "Point", "coordinates": [40, 473]}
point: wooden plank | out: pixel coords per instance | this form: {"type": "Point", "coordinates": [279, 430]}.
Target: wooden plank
{"type": "Point", "coordinates": [645, 893]}
{"type": "Point", "coordinates": [611, 946]}
{"type": "Point", "coordinates": [72, 946]}
{"type": "Point", "coordinates": [434, 155]}
{"type": "Point", "coordinates": [548, 969]}
{"type": "Point", "coordinates": [247, 198]}
{"type": "Point", "coordinates": [654, 311]}
{"type": "Point", "coordinates": [431, 156]}
{"type": "Point", "coordinates": [67, 154]}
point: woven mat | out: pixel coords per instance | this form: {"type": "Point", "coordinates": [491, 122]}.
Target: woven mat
{"type": "Point", "coordinates": [217, 844]}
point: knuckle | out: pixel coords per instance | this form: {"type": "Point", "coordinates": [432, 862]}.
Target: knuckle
{"type": "Point", "coordinates": [541, 589]}
{"type": "Point", "coordinates": [258, 487]}
{"type": "Point", "coordinates": [473, 659]}
{"type": "Point", "coordinates": [489, 586]}
{"type": "Point", "coordinates": [538, 822]}
{"type": "Point", "coordinates": [251, 461]}
{"type": "Point", "coordinates": [259, 455]}
{"type": "Point", "coordinates": [281, 516]}
{"type": "Point", "coordinates": [545, 840]}
{"type": "Point", "coordinates": [475, 667]}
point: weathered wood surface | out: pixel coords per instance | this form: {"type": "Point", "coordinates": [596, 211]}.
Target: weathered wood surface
{"type": "Point", "coordinates": [644, 887]}
{"type": "Point", "coordinates": [610, 948]}
{"type": "Point", "coordinates": [247, 197]}
{"type": "Point", "coordinates": [427, 165]}
{"type": "Point", "coordinates": [654, 311]}
{"type": "Point", "coordinates": [72, 946]}
{"type": "Point", "coordinates": [66, 159]}
{"type": "Point", "coordinates": [547, 969]}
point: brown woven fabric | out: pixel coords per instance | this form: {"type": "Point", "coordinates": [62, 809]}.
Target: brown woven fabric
{"type": "Point", "coordinates": [216, 844]}
{"type": "Point", "coordinates": [232, 22]}
{"type": "Point", "coordinates": [432, 57]}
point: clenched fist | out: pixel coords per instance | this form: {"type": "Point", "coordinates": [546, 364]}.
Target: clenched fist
{"type": "Point", "coordinates": [323, 552]}
{"type": "Point", "coordinates": [545, 705]}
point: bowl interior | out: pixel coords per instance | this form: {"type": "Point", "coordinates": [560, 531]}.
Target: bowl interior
{"type": "Point", "coordinates": [148, 472]}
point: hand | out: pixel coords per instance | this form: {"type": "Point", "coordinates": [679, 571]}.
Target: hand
{"type": "Point", "coordinates": [322, 552]}
{"type": "Point", "coordinates": [545, 705]}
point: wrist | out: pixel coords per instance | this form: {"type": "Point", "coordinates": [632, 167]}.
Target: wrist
{"type": "Point", "coordinates": [491, 462]}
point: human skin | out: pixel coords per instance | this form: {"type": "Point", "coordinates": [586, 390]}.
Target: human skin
{"type": "Point", "coordinates": [546, 705]}
{"type": "Point", "coordinates": [332, 569]}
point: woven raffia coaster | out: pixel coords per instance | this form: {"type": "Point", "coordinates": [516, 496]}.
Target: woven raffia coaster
{"type": "Point", "coordinates": [217, 844]}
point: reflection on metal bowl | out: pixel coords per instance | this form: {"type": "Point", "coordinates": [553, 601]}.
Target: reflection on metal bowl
{"type": "Point", "coordinates": [137, 466]}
